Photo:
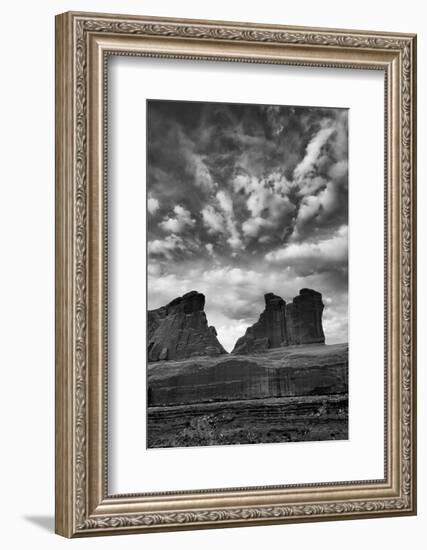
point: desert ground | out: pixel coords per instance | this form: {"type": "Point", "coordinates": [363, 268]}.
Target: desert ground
{"type": "Point", "coordinates": [296, 393]}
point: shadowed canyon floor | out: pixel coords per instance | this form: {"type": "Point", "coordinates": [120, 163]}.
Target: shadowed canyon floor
{"type": "Point", "coordinates": [296, 393]}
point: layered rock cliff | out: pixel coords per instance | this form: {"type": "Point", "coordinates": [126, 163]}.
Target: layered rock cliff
{"type": "Point", "coordinates": [180, 330]}
{"type": "Point", "coordinates": [281, 324]}
{"type": "Point", "coordinates": [281, 372]}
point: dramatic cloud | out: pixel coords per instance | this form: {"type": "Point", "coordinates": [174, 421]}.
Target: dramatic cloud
{"type": "Point", "coordinates": [152, 205]}
{"type": "Point", "coordinates": [213, 220]}
{"type": "Point", "coordinates": [314, 257]}
{"type": "Point", "coordinates": [247, 199]}
{"type": "Point", "coordinates": [267, 202]}
{"type": "Point", "coordinates": [226, 206]}
{"type": "Point", "coordinates": [165, 248]}
{"type": "Point", "coordinates": [309, 163]}
{"type": "Point", "coordinates": [179, 222]}
{"type": "Point", "coordinates": [209, 247]}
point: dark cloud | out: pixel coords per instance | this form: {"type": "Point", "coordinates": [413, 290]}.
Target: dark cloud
{"type": "Point", "coordinates": [246, 199]}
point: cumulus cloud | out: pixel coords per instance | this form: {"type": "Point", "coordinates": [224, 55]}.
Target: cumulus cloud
{"type": "Point", "coordinates": [252, 226]}
{"type": "Point", "coordinates": [213, 220]}
{"type": "Point", "coordinates": [209, 248]}
{"type": "Point", "coordinates": [312, 153]}
{"type": "Point", "coordinates": [321, 180]}
{"type": "Point", "coordinates": [179, 222]}
{"type": "Point", "coordinates": [166, 247]}
{"type": "Point", "coordinates": [220, 220]}
{"type": "Point", "coordinates": [202, 176]}
{"type": "Point", "coordinates": [267, 201]}
{"type": "Point", "coordinates": [226, 205]}
{"type": "Point", "coordinates": [313, 257]}
{"type": "Point", "coordinates": [154, 269]}
{"type": "Point", "coordinates": [152, 205]}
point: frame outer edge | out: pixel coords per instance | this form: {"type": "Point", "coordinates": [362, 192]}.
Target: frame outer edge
{"type": "Point", "coordinates": [249, 25]}
{"type": "Point", "coordinates": [414, 270]}
{"type": "Point", "coordinates": [72, 399]}
{"type": "Point", "coordinates": [415, 244]}
{"type": "Point", "coordinates": [64, 237]}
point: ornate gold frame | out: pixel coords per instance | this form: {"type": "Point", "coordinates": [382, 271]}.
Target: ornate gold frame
{"type": "Point", "coordinates": [83, 506]}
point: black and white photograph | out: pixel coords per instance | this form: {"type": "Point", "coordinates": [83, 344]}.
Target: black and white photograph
{"type": "Point", "coordinates": [247, 283]}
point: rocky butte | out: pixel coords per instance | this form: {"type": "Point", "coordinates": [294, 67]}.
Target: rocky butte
{"type": "Point", "coordinates": [281, 324]}
{"type": "Point", "coordinates": [180, 330]}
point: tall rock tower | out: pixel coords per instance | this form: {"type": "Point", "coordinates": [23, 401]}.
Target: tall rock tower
{"type": "Point", "coordinates": [281, 324]}
{"type": "Point", "coordinates": [304, 318]}
{"type": "Point", "coordinates": [269, 331]}
{"type": "Point", "coordinates": [180, 330]}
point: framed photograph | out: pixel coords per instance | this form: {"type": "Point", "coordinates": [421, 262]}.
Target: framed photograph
{"type": "Point", "coordinates": [235, 274]}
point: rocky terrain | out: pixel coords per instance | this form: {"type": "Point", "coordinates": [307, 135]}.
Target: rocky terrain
{"type": "Point", "coordinates": [294, 393]}
{"type": "Point", "coordinates": [278, 420]}
{"type": "Point", "coordinates": [284, 372]}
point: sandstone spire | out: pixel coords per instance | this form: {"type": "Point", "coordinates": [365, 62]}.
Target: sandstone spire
{"type": "Point", "coordinates": [304, 318]}
{"type": "Point", "coordinates": [180, 330]}
{"type": "Point", "coordinates": [270, 329]}
{"type": "Point", "coordinates": [281, 324]}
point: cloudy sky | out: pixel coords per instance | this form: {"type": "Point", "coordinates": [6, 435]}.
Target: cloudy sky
{"type": "Point", "coordinates": [244, 200]}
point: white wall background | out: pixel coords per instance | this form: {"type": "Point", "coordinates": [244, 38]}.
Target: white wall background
{"type": "Point", "coordinates": [27, 273]}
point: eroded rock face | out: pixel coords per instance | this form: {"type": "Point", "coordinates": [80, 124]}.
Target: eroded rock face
{"type": "Point", "coordinates": [281, 324]}
{"type": "Point", "coordinates": [180, 330]}
{"type": "Point", "coordinates": [304, 318]}
{"type": "Point", "coordinates": [284, 372]}
{"type": "Point", "coordinates": [269, 331]}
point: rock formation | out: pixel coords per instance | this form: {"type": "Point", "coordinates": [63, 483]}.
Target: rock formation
{"type": "Point", "coordinates": [283, 372]}
{"type": "Point", "coordinates": [180, 330]}
{"type": "Point", "coordinates": [304, 318]}
{"type": "Point", "coordinates": [281, 324]}
{"type": "Point", "coordinates": [269, 331]}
